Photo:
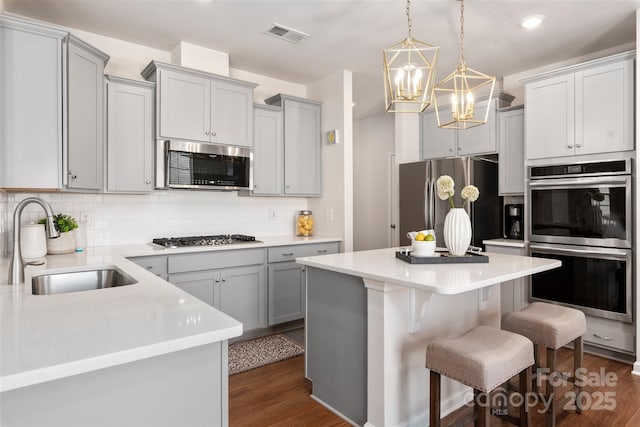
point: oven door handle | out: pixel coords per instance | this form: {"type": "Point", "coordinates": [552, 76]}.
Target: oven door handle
{"type": "Point", "coordinates": [580, 182]}
{"type": "Point", "coordinates": [547, 249]}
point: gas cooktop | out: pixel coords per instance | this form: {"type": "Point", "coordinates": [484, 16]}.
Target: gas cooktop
{"type": "Point", "coordinates": [218, 239]}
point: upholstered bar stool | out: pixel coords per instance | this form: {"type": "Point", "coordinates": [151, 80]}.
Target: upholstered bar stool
{"type": "Point", "coordinates": [551, 326]}
{"type": "Point", "coordinates": [482, 358]}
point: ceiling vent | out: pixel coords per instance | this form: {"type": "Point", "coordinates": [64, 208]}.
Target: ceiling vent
{"type": "Point", "coordinates": [286, 33]}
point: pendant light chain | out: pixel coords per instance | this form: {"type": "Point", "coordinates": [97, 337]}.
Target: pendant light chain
{"type": "Point", "coordinates": [461, 32]}
{"type": "Point", "coordinates": [409, 18]}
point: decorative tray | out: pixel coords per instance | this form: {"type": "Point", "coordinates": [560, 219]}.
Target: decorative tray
{"type": "Point", "coordinates": [443, 258]}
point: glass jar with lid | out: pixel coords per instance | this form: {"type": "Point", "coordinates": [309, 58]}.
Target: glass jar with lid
{"type": "Point", "coordinates": [304, 223]}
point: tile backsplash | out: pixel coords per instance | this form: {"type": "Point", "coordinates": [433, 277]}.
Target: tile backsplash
{"type": "Point", "coordinates": [115, 219]}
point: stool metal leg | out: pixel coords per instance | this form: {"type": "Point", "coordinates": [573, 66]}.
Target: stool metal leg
{"type": "Point", "coordinates": [434, 399]}
{"type": "Point", "coordinates": [577, 364]}
{"type": "Point", "coordinates": [525, 388]}
{"type": "Point", "coordinates": [551, 390]}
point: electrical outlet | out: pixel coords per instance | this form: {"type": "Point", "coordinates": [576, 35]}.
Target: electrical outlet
{"type": "Point", "coordinates": [85, 218]}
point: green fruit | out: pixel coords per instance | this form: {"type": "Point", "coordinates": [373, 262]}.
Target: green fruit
{"type": "Point", "coordinates": [429, 238]}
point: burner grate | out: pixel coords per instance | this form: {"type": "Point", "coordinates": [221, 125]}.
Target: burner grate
{"type": "Point", "coordinates": [217, 239]}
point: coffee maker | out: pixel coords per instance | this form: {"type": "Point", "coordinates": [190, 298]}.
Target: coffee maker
{"type": "Point", "coordinates": [513, 224]}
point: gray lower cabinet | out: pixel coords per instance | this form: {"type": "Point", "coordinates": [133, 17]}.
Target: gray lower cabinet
{"type": "Point", "coordinates": [129, 135]}
{"type": "Point", "coordinates": [286, 292]}
{"type": "Point", "coordinates": [85, 115]}
{"type": "Point", "coordinates": [232, 281]}
{"type": "Point", "coordinates": [239, 292]}
{"type": "Point", "coordinates": [287, 280]}
{"type": "Point", "coordinates": [155, 264]}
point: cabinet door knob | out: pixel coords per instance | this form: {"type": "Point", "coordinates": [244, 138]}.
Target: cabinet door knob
{"type": "Point", "coordinates": [206, 132]}
{"type": "Point", "coordinates": [224, 279]}
{"type": "Point", "coordinates": [148, 181]}
{"type": "Point", "coordinates": [213, 133]}
{"type": "Point", "coordinates": [578, 145]}
{"type": "Point", "coordinates": [72, 175]}
{"type": "Point", "coordinates": [255, 185]}
{"type": "Point", "coordinates": [570, 146]}
{"type": "Point", "coordinates": [287, 186]}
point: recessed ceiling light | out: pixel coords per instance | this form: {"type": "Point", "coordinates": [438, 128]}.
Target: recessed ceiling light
{"type": "Point", "coordinates": [531, 22]}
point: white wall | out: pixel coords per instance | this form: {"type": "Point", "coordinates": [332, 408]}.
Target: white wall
{"type": "Point", "coordinates": [335, 92]}
{"type": "Point", "coordinates": [268, 86]}
{"type": "Point", "coordinates": [373, 143]}
{"type": "Point", "coordinates": [200, 58]}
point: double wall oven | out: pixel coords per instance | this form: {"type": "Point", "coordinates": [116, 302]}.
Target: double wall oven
{"type": "Point", "coordinates": [582, 214]}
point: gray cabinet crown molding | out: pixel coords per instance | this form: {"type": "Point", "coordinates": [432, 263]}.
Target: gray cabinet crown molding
{"type": "Point", "coordinates": [19, 23]}
{"type": "Point", "coordinates": [581, 66]}
{"type": "Point", "coordinates": [151, 68]}
{"type": "Point", "coordinates": [278, 99]}
{"type": "Point", "coordinates": [122, 80]}
{"type": "Point", "coordinates": [267, 107]}
{"type": "Point", "coordinates": [87, 47]}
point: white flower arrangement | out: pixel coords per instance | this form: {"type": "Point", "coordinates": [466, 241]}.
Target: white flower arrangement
{"type": "Point", "coordinates": [446, 190]}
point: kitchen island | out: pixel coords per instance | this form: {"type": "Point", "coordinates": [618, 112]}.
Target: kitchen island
{"type": "Point", "coordinates": [370, 317]}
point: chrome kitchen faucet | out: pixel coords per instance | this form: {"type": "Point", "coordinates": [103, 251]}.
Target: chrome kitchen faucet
{"type": "Point", "coordinates": [16, 267]}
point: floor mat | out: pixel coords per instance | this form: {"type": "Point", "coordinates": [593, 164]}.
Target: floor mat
{"type": "Point", "coordinates": [251, 354]}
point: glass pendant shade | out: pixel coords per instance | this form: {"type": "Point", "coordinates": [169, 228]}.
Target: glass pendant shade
{"type": "Point", "coordinates": [462, 89]}
{"type": "Point", "coordinates": [456, 95]}
{"type": "Point", "coordinates": [409, 73]}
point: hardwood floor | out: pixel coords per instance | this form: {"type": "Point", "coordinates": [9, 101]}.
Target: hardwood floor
{"type": "Point", "coordinates": [278, 395]}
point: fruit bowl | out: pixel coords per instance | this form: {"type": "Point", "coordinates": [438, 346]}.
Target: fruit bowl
{"type": "Point", "coordinates": [423, 248]}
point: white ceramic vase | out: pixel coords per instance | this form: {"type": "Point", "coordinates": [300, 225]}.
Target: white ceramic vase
{"type": "Point", "coordinates": [65, 244]}
{"type": "Point", "coordinates": [457, 231]}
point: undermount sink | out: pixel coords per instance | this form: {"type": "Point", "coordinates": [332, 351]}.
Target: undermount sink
{"type": "Point", "coordinates": [77, 281]}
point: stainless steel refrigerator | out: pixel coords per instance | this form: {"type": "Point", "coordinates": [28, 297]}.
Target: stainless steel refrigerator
{"type": "Point", "coordinates": [420, 207]}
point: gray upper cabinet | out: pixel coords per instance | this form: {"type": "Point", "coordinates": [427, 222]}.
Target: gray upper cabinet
{"type": "Point", "coordinates": [302, 144]}
{"type": "Point", "coordinates": [129, 135]}
{"type": "Point", "coordinates": [85, 115]}
{"type": "Point", "coordinates": [198, 106]}
{"type": "Point", "coordinates": [583, 109]}
{"type": "Point", "coordinates": [52, 112]}
{"type": "Point", "coordinates": [31, 102]}
{"type": "Point", "coordinates": [267, 150]}
{"type": "Point", "coordinates": [483, 139]}
{"type": "Point", "coordinates": [511, 161]}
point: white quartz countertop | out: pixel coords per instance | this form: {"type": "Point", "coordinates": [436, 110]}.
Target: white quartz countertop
{"type": "Point", "coordinates": [46, 337]}
{"type": "Point", "coordinates": [382, 265]}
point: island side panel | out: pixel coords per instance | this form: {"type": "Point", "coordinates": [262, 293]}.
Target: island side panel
{"type": "Point", "coordinates": [336, 328]}
{"type": "Point", "coordinates": [188, 387]}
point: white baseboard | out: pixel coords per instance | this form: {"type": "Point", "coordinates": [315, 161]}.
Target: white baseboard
{"type": "Point", "coordinates": [636, 368]}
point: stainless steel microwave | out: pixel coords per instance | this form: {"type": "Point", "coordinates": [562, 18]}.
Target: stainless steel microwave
{"type": "Point", "coordinates": [203, 166]}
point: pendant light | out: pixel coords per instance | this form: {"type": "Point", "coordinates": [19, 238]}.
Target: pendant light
{"type": "Point", "coordinates": [409, 73]}
{"type": "Point", "coordinates": [462, 88]}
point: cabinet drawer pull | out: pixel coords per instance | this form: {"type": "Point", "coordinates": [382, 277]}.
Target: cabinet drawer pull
{"type": "Point", "coordinates": [288, 254]}
{"type": "Point", "coordinates": [149, 267]}
{"type": "Point", "coordinates": [322, 251]}
{"type": "Point", "coordinates": [602, 337]}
